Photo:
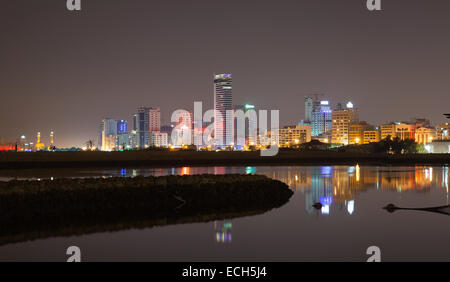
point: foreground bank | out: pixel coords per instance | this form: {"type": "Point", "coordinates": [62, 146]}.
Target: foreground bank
{"type": "Point", "coordinates": [11, 160]}
{"type": "Point", "coordinates": [38, 209]}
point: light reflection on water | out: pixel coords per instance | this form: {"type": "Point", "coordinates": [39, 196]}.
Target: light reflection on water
{"type": "Point", "coordinates": [349, 192]}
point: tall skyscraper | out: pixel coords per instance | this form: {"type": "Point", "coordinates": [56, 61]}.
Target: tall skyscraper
{"type": "Point", "coordinates": [223, 102]}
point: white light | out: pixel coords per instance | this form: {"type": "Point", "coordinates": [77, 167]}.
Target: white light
{"type": "Point", "coordinates": [349, 105]}
{"type": "Point", "coordinates": [325, 209]}
{"type": "Point", "coordinates": [351, 206]}
{"type": "Point", "coordinates": [324, 102]}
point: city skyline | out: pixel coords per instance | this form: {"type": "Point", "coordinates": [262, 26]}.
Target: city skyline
{"type": "Point", "coordinates": [66, 77]}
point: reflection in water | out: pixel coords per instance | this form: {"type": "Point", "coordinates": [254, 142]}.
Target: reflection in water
{"type": "Point", "coordinates": [223, 231]}
{"type": "Point", "coordinates": [335, 187]}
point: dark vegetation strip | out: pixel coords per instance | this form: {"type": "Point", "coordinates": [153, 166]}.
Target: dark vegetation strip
{"type": "Point", "coordinates": [161, 159]}
{"type": "Point", "coordinates": [39, 209]}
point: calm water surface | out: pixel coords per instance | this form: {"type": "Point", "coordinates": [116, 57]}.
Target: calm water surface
{"type": "Point", "coordinates": [351, 220]}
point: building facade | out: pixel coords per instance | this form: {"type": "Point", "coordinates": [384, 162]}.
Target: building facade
{"type": "Point", "coordinates": [223, 103]}
{"type": "Point", "coordinates": [425, 134]}
{"type": "Point", "coordinates": [443, 131]}
{"type": "Point", "coordinates": [342, 119]}
{"type": "Point", "coordinates": [356, 132]}
{"type": "Point", "coordinates": [372, 136]}
{"type": "Point", "coordinates": [294, 135]}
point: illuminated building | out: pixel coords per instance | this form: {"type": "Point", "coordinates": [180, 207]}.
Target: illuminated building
{"type": "Point", "coordinates": [52, 140]}
{"type": "Point", "coordinates": [387, 130]}
{"type": "Point", "coordinates": [356, 132]}
{"type": "Point", "coordinates": [405, 131]}
{"type": "Point", "coordinates": [223, 99]}
{"type": "Point", "coordinates": [400, 130]}
{"type": "Point", "coordinates": [294, 135]}
{"type": "Point", "coordinates": [108, 134]}
{"type": "Point", "coordinates": [371, 136]}
{"type": "Point", "coordinates": [342, 119]}
{"type": "Point", "coordinates": [39, 146]}
{"type": "Point", "coordinates": [443, 131]}
{"type": "Point", "coordinates": [318, 114]}
{"type": "Point", "coordinates": [146, 120]}
{"type": "Point", "coordinates": [154, 120]}
{"type": "Point", "coordinates": [321, 119]}
{"type": "Point", "coordinates": [158, 139]}
{"type": "Point", "coordinates": [425, 135]}
{"type": "Point", "coordinates": [242, 114]}
{"type": "Point", "coordinates": [182, 132]}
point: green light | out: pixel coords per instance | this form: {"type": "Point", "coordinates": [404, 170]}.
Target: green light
{"type": "Point", "coordinates": [248, 106]}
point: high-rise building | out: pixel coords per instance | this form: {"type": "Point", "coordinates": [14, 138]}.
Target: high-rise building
{"type": "Point", "coordinates": [321, 119]}
{"type": "Point", "coordinates": [243, 114]}
{"type": "Point", "coordinates": [182, 133]}
{"type": "Point", "coordinates": [318, 114]}
{"type": "Point", "coordinates": [223, 103]}
{"type": "Point", "coordinates": [294, 135]}
{"type": "Point", "coordinates": [108, 134]}
{"type": "Point", "coordinates": [154, 120]}
{"type": "Point", "coordinates": [342, 119]}
{"type": "Point", "coordinates": [142, 127]}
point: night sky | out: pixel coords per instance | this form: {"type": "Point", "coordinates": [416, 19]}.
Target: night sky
{"type": "Point", "coordinates": [65, 71]}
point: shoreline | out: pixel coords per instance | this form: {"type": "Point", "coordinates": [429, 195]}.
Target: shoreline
{"type": "Point", "coordinates": [144, 158]}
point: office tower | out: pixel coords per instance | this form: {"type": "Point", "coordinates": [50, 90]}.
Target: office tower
{"type": "Point", "coordinates": [182, 132]}
{"type": "Point", "coordinates": [109, 134]}
{"type": "Point", "coordinates": [223, 99]}
{"type": "Point", "coordinates": [154, 120]}
{"type": "Point", "coordinates": [294, 135]}
{"type": "Point", "coordinates": [342, 119]}
{"type": "Point", "coordinates": [147, 120]}
{"type": "Point", "coordinates": [321, 119]}
{"type": "Point", "coordinates": [142, 127]}
{"type": "Point", "coordinates": [122, 138]}
{"type": "Point", "coordinates": [309, 106]}
{"type": "Point", "coordinates": [318, 114]}
{"type": "Point", "coordinates": [246, 114]}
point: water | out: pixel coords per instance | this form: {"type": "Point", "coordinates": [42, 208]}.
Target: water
{"type": "Point", "coordinates": [350, 220]}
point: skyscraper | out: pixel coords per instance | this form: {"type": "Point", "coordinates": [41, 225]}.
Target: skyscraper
{"type": "Point", "coordinates": [147, 120]}
{"type": "Point", "coordinates": [318, 115]}
{"type": "Point", "coordinates": [223, 102]}
{"type": "Point", "coordinates": [154, 120]}
{"type": "Point", "coordinates": [108, 134]}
